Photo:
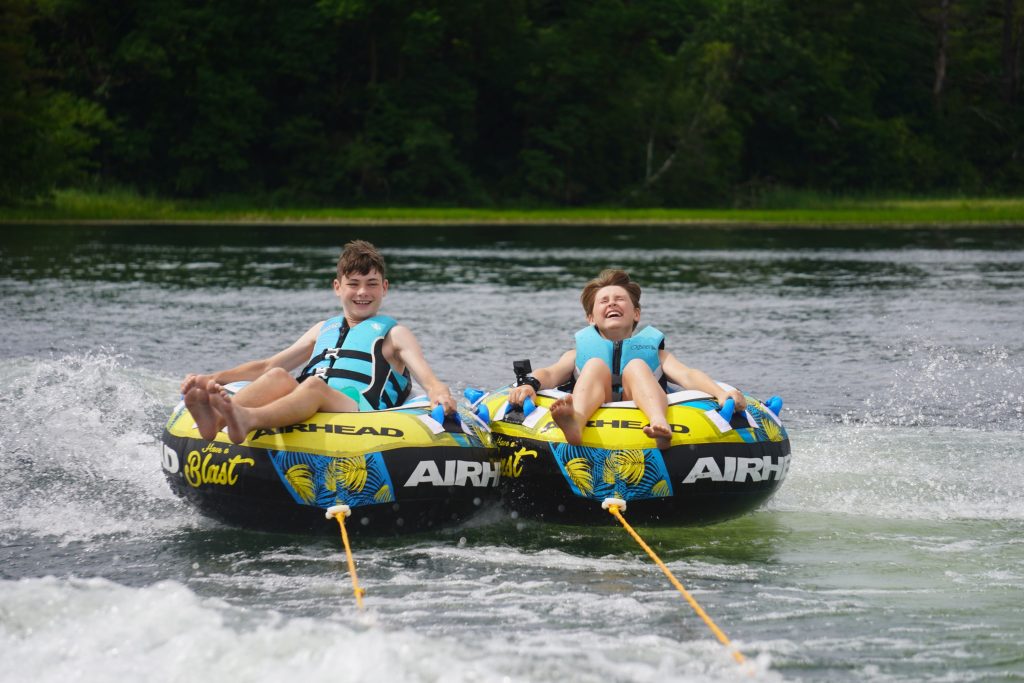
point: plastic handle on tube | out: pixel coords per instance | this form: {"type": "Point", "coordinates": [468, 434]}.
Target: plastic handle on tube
{"type": "Point", "coordinates": [528, 406]}
{"type": "Point", "coordinates": [439, 416]}
{"type": "Point", "coordinates": [728, 408]}
{"type": "Point", "coordinates": [775, 404]}
{"type": "Point", "coordinates": [473, 395]}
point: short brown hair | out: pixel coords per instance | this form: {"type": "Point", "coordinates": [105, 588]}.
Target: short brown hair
{"type": "Point", "coordinates": [359, 256]}
{"type": "Point", "coordinates": [607, 278]}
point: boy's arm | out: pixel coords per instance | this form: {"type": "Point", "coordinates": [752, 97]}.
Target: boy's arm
{"type": "Point", "coordinates": [408, 352]}
{"type": "Point", "coordinates": [550, 377]}
{"type": "Point", "coordinates": [692, 378]}
{"type": "Point", "coordinates": [289, 359]}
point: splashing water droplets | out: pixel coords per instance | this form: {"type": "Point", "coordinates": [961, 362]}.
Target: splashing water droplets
{"type": "Point", "coordinates": [942, 386]}
{"type": "Point", "coordinates": [81, 436]}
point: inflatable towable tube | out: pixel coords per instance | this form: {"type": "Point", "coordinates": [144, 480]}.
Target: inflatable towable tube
{"type": "Point", "coordinates": [720, 464]}
{"type": "Point", "coordinates": [399, 470]}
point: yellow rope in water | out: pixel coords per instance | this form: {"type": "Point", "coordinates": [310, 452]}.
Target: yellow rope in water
{"type": "Point", "coordinates": [356, 590]}
{"type": "Point", "coordinates": [736, 654]}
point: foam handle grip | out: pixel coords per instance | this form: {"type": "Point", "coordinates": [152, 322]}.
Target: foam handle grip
{"type": "Point", "coordinates": [528, 406]}
{"type": "Point", "coordinates": [728, 408]}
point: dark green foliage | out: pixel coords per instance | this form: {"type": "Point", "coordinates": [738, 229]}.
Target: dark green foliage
{"type": "Point", "coordinates": [47, 133]}
{"type": "Point", "coordinates": [660, 103]}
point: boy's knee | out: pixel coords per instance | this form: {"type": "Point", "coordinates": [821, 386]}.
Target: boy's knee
{"type": "Point", "coordinates": [312, 389]}
{"type": "Point", "coordinates": [314, 385]}
{"type": "Point", "coordinates": [596, 366]}
{"type": "Point", "coordinates": [277, 374]}
{"type": "Point", "coordinates": [637, 367]}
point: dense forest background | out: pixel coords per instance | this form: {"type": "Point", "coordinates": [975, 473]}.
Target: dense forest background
{"type": "Point", "coordinates": [658, 103]}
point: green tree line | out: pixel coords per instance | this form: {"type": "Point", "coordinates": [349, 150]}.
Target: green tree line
{"type": "Point", "coordinates": [492, 102]}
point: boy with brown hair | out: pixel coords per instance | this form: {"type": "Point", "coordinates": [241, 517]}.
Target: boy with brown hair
{"type": "Point", "coordinates": [358, 360]}
{"type": "Point", "coordinates": [614, 362]}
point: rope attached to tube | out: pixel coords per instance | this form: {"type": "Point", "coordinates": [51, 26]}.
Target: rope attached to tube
{"type": "Point", "coordinates": [340, 512]}
{"type": "Point", "coordinates": [613, 505]}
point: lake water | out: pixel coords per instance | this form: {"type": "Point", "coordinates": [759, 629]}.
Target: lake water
{"type": "Point", "coordinates": [894, 550]}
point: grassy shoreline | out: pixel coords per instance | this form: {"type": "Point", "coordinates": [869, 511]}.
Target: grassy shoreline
{"type": "Point", "coordinates": [112, 208]}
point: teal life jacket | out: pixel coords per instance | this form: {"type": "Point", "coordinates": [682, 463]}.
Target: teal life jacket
{"type": "Point", "coordinates": [351, 360]}
{"type": "Point", "coordinates": [644, 345]}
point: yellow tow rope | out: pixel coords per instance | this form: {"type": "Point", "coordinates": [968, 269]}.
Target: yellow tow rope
{"type": "Point", "coordinates": [340, 512]}
{"type": "Point", "coordinates": [613, 505]}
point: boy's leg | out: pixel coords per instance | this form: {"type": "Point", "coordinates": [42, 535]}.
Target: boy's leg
{"type": "Point", "coordinates": [312, 396]}
{"type": "Point", "coordinates": [593, 387]}
{"type": "Point", "coordinates": [640, 386]}
{"type": "Point", "coordinates": [271, 385]}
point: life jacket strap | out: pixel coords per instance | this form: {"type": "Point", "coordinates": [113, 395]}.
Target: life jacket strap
{"type": "Point", "coordinates": [327, 373]}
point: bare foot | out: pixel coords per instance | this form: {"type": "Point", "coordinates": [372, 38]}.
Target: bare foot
{"type": "Point", "coordinates": [661, 434]}
{"type": "Point", "coordinates": [236, 417]}
{"type": "Point", "coordinates": [565, 417]}
{"type": "Point", "coordinates": [198, 403]}
{"type": "Point", "coordinates": [194, 382]}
